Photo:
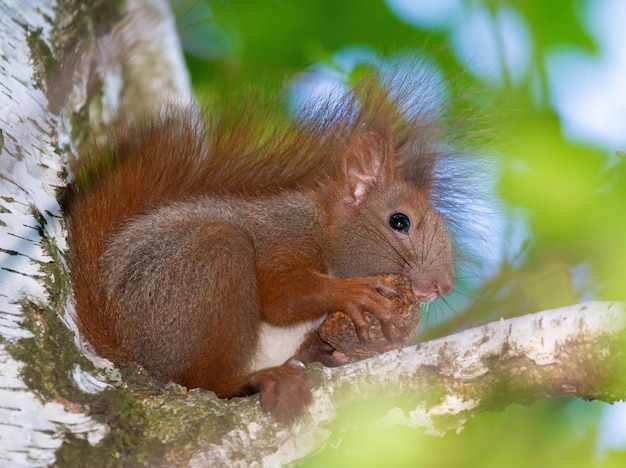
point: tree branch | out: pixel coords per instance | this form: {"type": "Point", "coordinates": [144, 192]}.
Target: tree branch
{"type": "Point", "coordinates": [439, 385]}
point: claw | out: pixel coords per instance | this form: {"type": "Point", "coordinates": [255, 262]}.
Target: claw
{"type": "Point", "coordinates": [360, 324]}
{"type": "Point", "coordinates": [295, 364]}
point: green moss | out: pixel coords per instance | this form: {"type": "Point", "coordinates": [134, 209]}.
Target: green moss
{"type": "Point", "coordinates": [128, 442]}
{"type": "Point", "coordinates": [49, 358]}
{"type": "Point", "coordinates": [138, 410]}
{"type": "Point", "coordinates": [45, 63]}
{"type": "Point", "coordinates": [55, 278]}
{"type": "Point", "coordinates": [50, 355]}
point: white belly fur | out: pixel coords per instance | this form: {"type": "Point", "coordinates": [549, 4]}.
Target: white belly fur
{"type": "Point", "coordinates": [277, 344]}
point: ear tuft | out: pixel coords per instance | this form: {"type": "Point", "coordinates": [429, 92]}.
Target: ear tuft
{"type": "Point", "coordinates": [367, 166]}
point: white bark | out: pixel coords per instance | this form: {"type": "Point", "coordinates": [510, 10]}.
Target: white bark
{"type": "Point", "coordinates": [29, 428]}
{"type": "Point", "coordinates": [35, 116]}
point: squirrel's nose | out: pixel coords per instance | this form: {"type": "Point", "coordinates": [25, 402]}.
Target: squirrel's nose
{"type": "Point", "coordinates": [429, 287]}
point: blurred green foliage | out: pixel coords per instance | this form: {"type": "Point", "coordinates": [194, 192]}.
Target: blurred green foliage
{"type": "Point", "coordinates": [544, 435]}
{"type": "Point", "coordinates": [568, 196]}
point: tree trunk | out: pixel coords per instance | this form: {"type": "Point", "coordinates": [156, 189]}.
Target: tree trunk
{"type": "Point", "coordinates": [69, 71]}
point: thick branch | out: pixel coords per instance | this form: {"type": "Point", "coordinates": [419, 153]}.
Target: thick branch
{"type": "Point", "coordinates": [574, 351]}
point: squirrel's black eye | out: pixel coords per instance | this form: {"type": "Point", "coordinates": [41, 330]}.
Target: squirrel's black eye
{"type": "Point", "coordinates": [400, 222]}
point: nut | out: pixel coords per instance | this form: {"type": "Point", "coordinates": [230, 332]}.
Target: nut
{"type": "Point", "coordinates": [338, 329]}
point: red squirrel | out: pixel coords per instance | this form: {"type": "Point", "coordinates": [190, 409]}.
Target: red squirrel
{"type": "Point", "coordinates": [210, 252]}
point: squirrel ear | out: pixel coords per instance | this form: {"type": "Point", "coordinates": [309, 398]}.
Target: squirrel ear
{"type": "Point", "coordinates": [366, 165]}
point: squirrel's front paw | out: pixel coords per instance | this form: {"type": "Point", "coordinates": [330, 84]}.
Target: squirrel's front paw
{"type": "Point", "coordinates": [360, 333]}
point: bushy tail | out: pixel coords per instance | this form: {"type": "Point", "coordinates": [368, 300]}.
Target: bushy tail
{"type": "Point", "coordinates": [124, 177]}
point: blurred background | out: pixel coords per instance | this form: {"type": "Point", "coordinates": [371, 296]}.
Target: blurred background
{"type": "Point", "coordinates": [547, 82]}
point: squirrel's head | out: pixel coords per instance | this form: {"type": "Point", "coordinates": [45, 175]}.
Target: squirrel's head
{"type": "Point", "coordinates": [382, 223]}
